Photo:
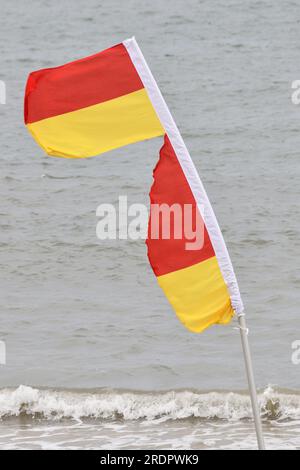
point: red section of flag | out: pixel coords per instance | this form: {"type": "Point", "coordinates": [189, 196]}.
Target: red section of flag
{"type": "Point", "coordinates": [85, 82]}
{"type": "Point", "coordinates": [171, 187]}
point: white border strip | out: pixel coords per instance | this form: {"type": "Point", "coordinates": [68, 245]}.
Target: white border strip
{"type": "Point", "coordinates": [189, 170]}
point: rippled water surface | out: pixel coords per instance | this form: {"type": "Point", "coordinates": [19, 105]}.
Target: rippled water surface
{"type": "Point", "coordinates": [77, 313]}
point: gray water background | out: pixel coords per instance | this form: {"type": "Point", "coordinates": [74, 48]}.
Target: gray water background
{"type": "Point", "coordinates": [76, 312]}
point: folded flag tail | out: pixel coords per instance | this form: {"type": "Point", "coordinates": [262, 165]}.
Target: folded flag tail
{"type": "Point", "coordinates": [109, 100]}
{"type": "Point", "coordinates": [190, 278]}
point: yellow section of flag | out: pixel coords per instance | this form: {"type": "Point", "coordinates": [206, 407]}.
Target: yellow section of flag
{"type": "Point", "coordinates": [198, 295]}
{"type": "Point", "coordinates": [99, 128]}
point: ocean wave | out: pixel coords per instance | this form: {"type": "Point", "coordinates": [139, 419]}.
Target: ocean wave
{"type": "Point", "coordinates": [129, 405]}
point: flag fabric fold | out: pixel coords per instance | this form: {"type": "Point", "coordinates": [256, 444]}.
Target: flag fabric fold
{"type": "Point", "coordinates": [191, 279]}
{"type": "Point", "coordinates": [109, 100]}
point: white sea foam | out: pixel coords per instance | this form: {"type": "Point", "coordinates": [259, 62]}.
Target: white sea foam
{"type": "Point", "coordinates": [128, 405]}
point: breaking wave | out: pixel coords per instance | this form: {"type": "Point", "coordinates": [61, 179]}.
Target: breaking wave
{"type": "Point", "coordinates": [129, 405]}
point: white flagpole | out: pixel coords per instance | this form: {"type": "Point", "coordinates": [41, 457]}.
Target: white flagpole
{"type": "Point", "coordinates": [207, 213]}
{"type": "Point", "coordinates": [251, 382]}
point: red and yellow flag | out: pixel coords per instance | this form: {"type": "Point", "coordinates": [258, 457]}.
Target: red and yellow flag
{"type": "Point", "coordinates": [109, 100]}
{"type": "Point", "coordinates": [190, 279]}
{"type": "Point", "coordinates": [89, 106]}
